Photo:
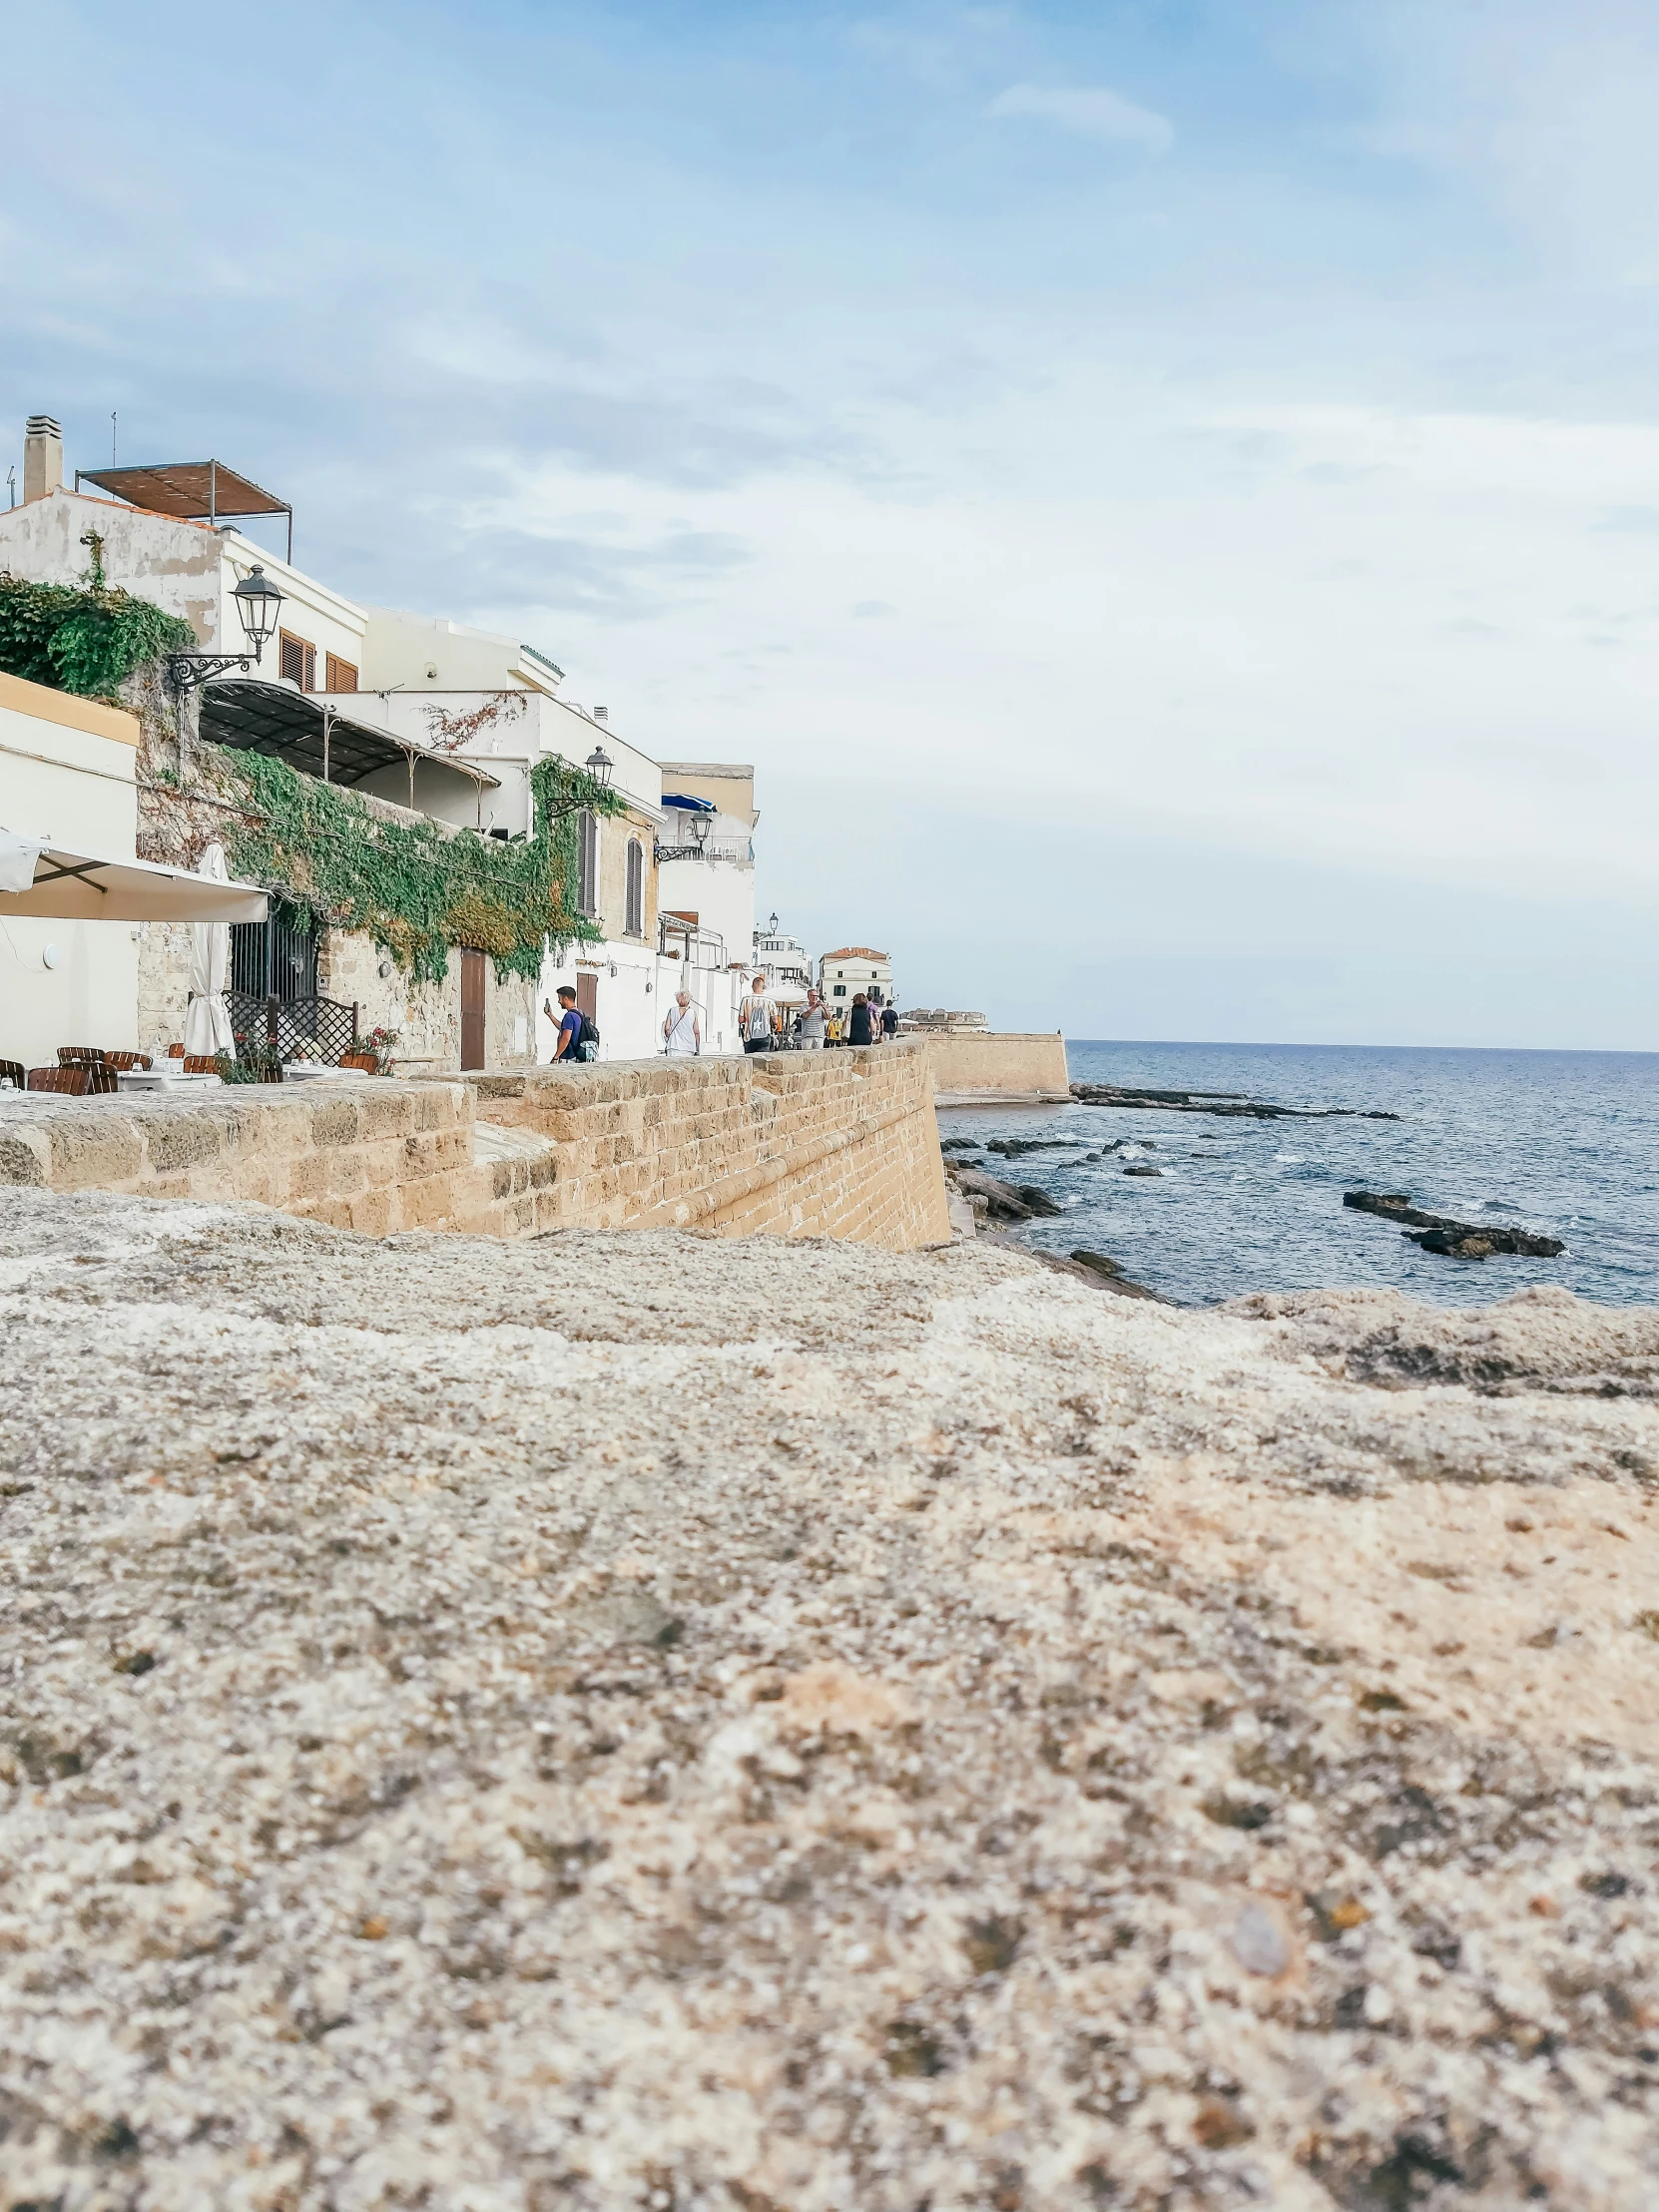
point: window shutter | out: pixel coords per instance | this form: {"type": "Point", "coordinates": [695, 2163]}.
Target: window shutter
{"type": "Point", "coordinates": [341, 675]}
{"type": "Point", "coordinates": [587, 862]}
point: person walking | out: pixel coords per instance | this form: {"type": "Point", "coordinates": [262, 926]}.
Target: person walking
{"type": "Point", "coordinates": [857, 1028]}
{"type": "Point", "coordinates": [681, 1028]}
{"type": "Point", "coordinates": [889, 1023]}
{"type": "Point", "coordinates": [755, 1019]}
{"type": "Point", "coordinates": [569, 1021]}
{"type": "Point", "coordinates": [813, 1023]}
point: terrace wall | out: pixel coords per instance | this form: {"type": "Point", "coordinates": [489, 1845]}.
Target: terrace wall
{"type": "Point", "coordinates": [842, 1144]}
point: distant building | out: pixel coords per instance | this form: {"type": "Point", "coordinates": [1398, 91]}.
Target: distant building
{"type": "Point", "coordinates": [783, 959]}
{"type": "Point", "coordinates": [940, 1018]}
{"type": "Point", "coordinates": [856, 967]}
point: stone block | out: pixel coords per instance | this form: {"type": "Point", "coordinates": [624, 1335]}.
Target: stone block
{"type": "Point", "coordinates": [25, 1156]}
{"type": "Point", "coordinates": [178, 1141]}
{"type": "Point", "coordinates": [334, 1120]}
{"type": "Point", "coordinates": [384, 1112]}
{"type": "Point", "coordinates": [93, 1151]}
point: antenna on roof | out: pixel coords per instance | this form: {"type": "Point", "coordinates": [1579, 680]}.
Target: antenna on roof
{"type": "Point", "coordinates": [111, 437]}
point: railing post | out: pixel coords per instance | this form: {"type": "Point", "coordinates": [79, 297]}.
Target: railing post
{"type": "Point", "coordinates": [354, 1012]}
{"type": "Point", "coordinates": [270, 1024]}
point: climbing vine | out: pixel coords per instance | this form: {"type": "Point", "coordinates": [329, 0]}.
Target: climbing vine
{"type": "Point", "coordinates": [84, 638]}
{"type": "Point", "coordinates": [414, 888]}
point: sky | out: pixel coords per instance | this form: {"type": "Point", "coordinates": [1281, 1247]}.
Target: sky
{"type": "Point", "coordinates": [1166, 494]}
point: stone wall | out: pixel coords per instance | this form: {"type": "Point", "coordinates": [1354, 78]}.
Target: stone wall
{"type": "Point", "coordinates": [993, 1063]}
{"type": "Point", "coordinates": [842, 1144]}
{"type": "Point", "coordinates": [834, 1144]}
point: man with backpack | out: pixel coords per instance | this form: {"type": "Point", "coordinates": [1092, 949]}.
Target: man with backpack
{"type": "Point", "coordinates": [578, 1039]}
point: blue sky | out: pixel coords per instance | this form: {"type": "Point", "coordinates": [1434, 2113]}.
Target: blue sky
{"type": "Point", "coordinates": [1167, 494]}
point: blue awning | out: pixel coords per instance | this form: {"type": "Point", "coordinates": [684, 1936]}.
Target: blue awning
{"type": "Point", "coordinates": [691, 806]}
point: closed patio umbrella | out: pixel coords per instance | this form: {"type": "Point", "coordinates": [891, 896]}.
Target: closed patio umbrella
{"type": "Point", "coordinates": [207, 1020]}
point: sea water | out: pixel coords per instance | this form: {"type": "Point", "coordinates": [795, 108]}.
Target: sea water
{"type": "Point", "coordinates": [1562, 1141]}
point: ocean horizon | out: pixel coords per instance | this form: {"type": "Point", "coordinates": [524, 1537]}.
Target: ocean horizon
{"type": "Point", "coordinates": [1560, 1141]}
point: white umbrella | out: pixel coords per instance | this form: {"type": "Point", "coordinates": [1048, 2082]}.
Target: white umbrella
{"type": "Point", "coordinates": [207, 1021]}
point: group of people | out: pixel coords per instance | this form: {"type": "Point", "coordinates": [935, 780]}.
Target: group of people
{"type": "Point", "coordinates": [765, 1024]}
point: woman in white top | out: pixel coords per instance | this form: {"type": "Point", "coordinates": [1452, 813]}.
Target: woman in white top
{"type": "Point", "coordinates": [681, 1028]}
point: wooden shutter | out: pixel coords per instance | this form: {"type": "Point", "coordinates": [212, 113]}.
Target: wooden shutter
{"type": "Point", "coordinates": [634, 925]}
{"type": "Point", "coordinates": [298, 660]}
{"type": "Point", "coordinates": [587, 863]}
{"type": "Point", "coordinates": [341, 675]}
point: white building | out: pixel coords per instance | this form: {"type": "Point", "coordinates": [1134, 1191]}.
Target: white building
{"type": "Point", "coordinates": [856, 967]}
{"type": "Point", "coordinates": [468, 713]}
{"type": "Point", "coordinates": [68, 772]}
{"type": "Point", "coordinates": [783, 960]}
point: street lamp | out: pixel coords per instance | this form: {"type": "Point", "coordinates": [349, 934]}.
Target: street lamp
{"type": "Point", "coordinates": [599, 765]}
{"type": "Point", "coordinates": [699, 826]}
{"type": "Point", "coordinates": [772, 925]}
{"type": "Point", "coordinates": [259, 605]}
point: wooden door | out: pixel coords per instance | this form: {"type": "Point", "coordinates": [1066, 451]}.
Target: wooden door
{"type": "Point", "coordinates": [472, 1008]}
{"type": "Point", "coordinates": [587, 994]}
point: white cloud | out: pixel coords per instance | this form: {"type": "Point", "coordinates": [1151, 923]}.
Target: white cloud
{"type": "Point", "coordinates": [1095, 111]}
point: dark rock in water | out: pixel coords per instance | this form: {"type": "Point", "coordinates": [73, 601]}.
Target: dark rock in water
{"type": "Point", "coordinates": [1010, 1147]}
{"type": "Point", "coordinates": [1036, 1201]}
{"type": "Point", "coordinates": [1098, 1262]}
{"type": "Point", "coordinates": [1096, 1276]}
{"type": "Point", "coordinates": [961, 1144]}
{"type": "Point", "coordinates": [1457, 1240]}
{"type": "Point", "coordinates": [1143, 1171]}
{"type": "Point", "coordinates": [1217, 1102]}
{"type": "Point", "coordinates": [1003, 1201]}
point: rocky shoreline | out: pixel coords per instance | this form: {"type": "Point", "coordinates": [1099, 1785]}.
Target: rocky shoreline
{"type": "Point", "coordinates": [482, 1726]}
{"type": "Point", "coordinates": [1223, 1103]}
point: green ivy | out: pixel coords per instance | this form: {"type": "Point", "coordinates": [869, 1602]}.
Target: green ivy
{"type": "Point", "coordinates": [87, 638]}
{"type": "Point", "coordinates": [415, 889]}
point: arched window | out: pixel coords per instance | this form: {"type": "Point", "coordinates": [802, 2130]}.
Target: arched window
{"type": "Point", "coordinates": [587, 862]}
{"type": "Point", "coordinates": [634, 925]}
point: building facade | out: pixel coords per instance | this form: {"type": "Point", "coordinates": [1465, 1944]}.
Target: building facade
{"type": "Point", "coordinates": [856, 967]}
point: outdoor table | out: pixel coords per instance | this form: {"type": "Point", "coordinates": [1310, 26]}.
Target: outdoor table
{"type": "Point", "coordinates": [163, 1079]}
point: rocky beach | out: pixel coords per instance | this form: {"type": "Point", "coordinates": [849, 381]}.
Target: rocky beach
{"type": "Point", "coordinates": [642, 1720]}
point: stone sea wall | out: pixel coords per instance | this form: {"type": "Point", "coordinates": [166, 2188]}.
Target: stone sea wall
{"type": "Point", "coordinates": [838, 1145]}
{"type": "Point", "coordinates": [993, 1063]}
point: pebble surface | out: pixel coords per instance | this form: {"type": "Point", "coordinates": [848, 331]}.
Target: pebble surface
{"type": "Point", "coordinates": [650, 1721]}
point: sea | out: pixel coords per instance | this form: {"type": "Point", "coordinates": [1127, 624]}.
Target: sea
{"type": "Point", "coordinates": [1566, 1143]}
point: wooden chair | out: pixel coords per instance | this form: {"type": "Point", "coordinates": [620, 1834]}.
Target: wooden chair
{"type": "Point", "coordinates": [17, 1071]}
{"type": "Point", "coordinates": [175, 1051]}
{"type": "Point", "coordinates": [201, 1063]}
{"type": "Point", "coordinates": [120, 1060]}
{"type": "Point", "coordinates": [80, 1055]}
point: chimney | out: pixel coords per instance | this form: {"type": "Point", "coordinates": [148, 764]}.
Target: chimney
{"type": "Point", "coordinates": [602, 713]}
{"type": "Point", "coordinates": [42, 457]}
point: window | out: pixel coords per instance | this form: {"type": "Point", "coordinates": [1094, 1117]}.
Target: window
{"type": "Point", "coordinates": [634, 925]}
{"type": "Point", "coordinates": [277, 957]}
{"type": "Point", "coordinates": [341, 675]}
{"type": "Point", "coordinates": [587, 862]}
{"type": "Point", "coordinates": [840, 991]}
{"type": "Point", "coordinates": [297, 661]}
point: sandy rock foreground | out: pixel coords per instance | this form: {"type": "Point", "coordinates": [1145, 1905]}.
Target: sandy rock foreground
{"type": "Point", "coordinates": [644, 1720]}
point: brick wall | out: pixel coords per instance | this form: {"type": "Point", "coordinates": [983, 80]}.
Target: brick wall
{"type": "Point", "coordinates": [839, 1144]}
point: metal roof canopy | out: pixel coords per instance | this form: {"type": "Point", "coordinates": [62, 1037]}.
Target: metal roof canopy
{"type": "Point", "coordinates": [195, 492]}
{"type": "Point", "coordinates": [250, 716]}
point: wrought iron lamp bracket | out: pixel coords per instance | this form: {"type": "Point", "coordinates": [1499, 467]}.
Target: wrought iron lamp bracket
{"type": "Point", "coordinates": [662, 852]}
{"type": "Point", "coordinates": [187, 672]}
